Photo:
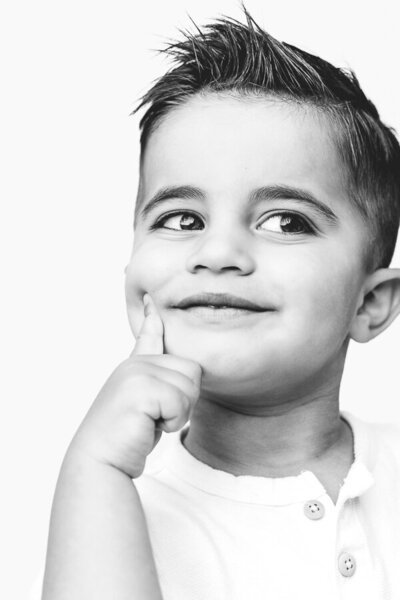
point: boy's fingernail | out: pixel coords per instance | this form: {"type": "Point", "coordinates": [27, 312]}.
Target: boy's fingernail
{"type": "Point", "coordinates": [146, 305]}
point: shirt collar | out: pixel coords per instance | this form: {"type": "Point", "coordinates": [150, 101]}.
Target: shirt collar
{"type": "Point", "coordinates": [270, 491]}
{"type": "Point", "coordinates": [360, 477]}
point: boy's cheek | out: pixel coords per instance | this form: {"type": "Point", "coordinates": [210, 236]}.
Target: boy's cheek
{"type": "Point", "coordinates": [143, 276]}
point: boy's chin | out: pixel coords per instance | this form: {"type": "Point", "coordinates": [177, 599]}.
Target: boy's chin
{"type": "Point", "coordinates": [223, 370]}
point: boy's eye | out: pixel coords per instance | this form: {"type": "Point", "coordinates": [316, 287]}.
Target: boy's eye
{"type": "Point", "coordinates": [285, 222]}
{"type": "Point", "coordinates": [182, 221]}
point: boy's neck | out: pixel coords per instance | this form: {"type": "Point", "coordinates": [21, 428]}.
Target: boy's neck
{"type": "Point", "coordinates": [309, 436]}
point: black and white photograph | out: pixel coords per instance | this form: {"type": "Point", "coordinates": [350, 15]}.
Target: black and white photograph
{"type": "Point", "coordinates": [202, 289]}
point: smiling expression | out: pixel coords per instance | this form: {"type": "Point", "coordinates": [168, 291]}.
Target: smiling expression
{"type": "Point", "coordinates": [247, 198]}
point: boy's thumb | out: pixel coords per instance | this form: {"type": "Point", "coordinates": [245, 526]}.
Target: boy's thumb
{"type": "Point", "coordinates": [151, 336]}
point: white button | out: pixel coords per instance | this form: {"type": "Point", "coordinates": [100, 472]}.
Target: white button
{"type": "Point", "coordinates": [346, 564]}
{"type": "Point", "coordinates": [314, 510]}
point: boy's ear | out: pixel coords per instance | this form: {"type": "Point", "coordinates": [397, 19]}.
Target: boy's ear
{"type": "Point", "coordinates": [379, 305]}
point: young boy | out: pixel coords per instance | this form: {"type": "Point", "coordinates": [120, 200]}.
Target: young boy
{"type": "Point", "coordinates": [266, 219]}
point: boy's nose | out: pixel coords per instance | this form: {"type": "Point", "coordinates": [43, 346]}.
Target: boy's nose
{"type": "Point", "coordinates": [222, 252]}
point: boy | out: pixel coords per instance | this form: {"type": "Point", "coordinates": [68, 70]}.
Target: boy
{"type": "Point", "coordinates": [266, 219]}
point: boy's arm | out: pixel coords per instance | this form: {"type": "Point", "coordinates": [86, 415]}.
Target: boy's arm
{"type": "Point", "coordinates": [98, 545]}
{"type": "Point", "coordinates": [98, 542]}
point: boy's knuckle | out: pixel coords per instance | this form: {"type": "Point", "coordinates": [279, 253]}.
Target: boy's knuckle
{"type": "Point", "coordinates": [145, 381]}
{"type": "Point", "coordinates": [135, 382]}
{"type": "Point", "coordinates": [174, 401]}
{"type": "Point", "coordinates": [171, 394]}
{"type": "Point", "coordinates": [137, 364]}
{"type": "Point", "coordinates": [184, 402]}
{"type": "Point", "coordinates": [196, 369]}
{"type": "Point", "coordinates": [147, 404]}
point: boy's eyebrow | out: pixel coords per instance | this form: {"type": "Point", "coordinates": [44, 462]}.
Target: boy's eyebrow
{"type": "Point", "coordinates": [269, 192]}
{"type": "Point", "coordinates": [284, 192]}
{"type": "Point", "coordinates": [185, 192]}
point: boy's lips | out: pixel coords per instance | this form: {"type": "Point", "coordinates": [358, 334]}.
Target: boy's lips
{"type": "Point", "coordinates": [218, 301]}
{"type": "Point", "coordinates": [217, 307]}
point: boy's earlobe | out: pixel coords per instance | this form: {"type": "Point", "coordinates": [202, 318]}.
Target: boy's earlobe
{"type": "Point", "coordinates": [380, 305]}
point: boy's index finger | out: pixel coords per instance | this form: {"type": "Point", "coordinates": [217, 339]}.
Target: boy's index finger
{"type": "Point", "coordinates": [151, 336]}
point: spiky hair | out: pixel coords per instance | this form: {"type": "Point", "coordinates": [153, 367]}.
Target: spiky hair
{"type": "Point", "coordinates": [228, 56]}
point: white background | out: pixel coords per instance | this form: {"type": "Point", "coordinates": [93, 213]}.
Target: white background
{"type": "Point", "coordinates": [71, 73]}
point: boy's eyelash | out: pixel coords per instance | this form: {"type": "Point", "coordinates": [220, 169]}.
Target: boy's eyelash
{"type": "Point", "coordinates": [308, 226]}
{"type": "Point", "coordinates": [159, 222]}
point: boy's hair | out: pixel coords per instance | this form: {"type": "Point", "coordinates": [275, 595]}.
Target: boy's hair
{"type": "Point", "coordinates": [232, 57]}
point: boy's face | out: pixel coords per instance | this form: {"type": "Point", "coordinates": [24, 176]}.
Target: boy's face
{"type": "Point", "coordinates": [264, 216]}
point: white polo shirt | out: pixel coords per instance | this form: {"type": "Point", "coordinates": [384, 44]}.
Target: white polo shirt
{"type": "Point", "coordinates": [217, 536]}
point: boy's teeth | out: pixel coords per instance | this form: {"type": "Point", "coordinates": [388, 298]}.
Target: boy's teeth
{"type": "Point", "coordinates": [218, 306]}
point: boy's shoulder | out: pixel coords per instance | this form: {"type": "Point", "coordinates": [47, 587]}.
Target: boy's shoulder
{"type": "Point", "coordinates": [375, 441]}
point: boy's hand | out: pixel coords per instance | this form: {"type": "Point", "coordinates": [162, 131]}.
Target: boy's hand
{"type": "Point", "coordinates": [147, 394]}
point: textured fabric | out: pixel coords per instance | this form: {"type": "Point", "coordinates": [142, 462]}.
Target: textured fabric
{"type": "Point", "coordinates": [216, 536]}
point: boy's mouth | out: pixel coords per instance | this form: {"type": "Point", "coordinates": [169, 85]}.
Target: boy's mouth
{"type": "Point", "coordinates": [216, 307]}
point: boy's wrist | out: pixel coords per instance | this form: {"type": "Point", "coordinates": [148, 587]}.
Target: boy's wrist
{"type": "Point", "coordinates": [79, 459]}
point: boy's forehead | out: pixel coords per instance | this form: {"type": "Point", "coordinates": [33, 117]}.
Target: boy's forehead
{"type": "Point", "coordinates": [227, 145]}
